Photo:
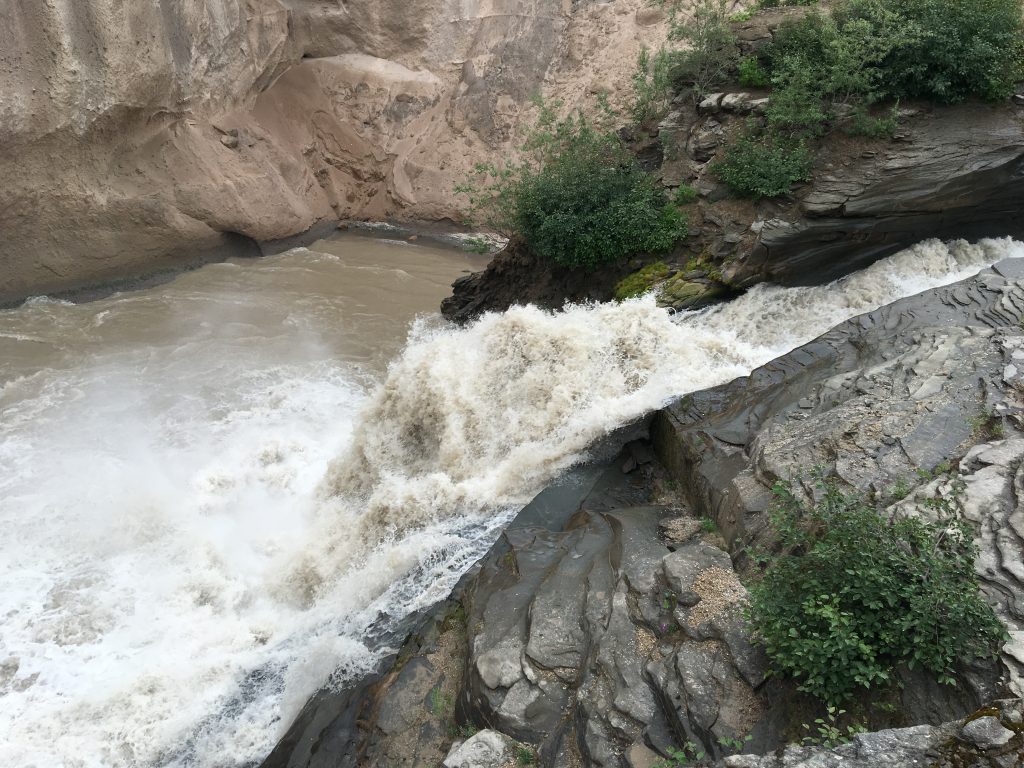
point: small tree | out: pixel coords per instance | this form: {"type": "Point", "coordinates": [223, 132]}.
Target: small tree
{"type": "Point", "coordinates": [651, 86]}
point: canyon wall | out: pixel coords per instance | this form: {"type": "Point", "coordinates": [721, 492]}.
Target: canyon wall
{"type": "Point", "coordinates": [136, 138]}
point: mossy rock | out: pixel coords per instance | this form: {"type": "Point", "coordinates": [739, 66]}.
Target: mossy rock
{"type": "Point", "coordinates": [640, 282]}
{"type": "Point", "coordinates": [679, 293]}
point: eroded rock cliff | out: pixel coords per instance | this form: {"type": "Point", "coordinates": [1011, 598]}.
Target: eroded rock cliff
{"type": "Point", "coordinates": [140, 137]}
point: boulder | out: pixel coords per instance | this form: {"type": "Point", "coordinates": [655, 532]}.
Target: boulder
{"type": "Point", "coordinates": [986, 733]}
{"type": "Point", "coordinates": [485, 749]}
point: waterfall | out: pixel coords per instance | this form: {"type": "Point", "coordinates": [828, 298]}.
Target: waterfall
{"type": "Point", "coordinates": [186, 562]}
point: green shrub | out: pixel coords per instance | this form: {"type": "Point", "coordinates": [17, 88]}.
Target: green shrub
{"type": "Point", "coordinates": [862, 123]}
{"type": "Point", "coordinates": [942, 50]}
{"type": "Point", "coordinates": [964, 48]}
{"type": "Point", "coordinates": [853, 594]}
{"type": "Point", "coordinates": [651, 86]}
{"type": "Point", "coordinates": [796, 107]}
{"type": "Point", "coordinates": [751, 74]}
{"type": "Point", "coordinates": [763, 167]}
{"type": "Point", "coordinates": [578, 199]}
{"type": "Point", "coordinates": [684, 195]}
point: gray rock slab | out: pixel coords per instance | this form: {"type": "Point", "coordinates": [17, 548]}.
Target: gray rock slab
{"type": "Point", "coordinates": [986, 733]}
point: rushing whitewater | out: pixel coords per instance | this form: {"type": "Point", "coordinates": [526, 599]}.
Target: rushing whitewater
{"type": "Point", "coordinates": [198, 534]}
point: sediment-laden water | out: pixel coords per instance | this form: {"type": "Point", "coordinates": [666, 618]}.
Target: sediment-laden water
{"type": "Point", "coordinates": [214, 493]}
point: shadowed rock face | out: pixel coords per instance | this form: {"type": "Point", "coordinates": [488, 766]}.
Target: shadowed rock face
{"type": "Point", "coordinates": [139, 137]}
{"type": "Point", "coordinates": [516, 276]}
{"type": "Point", "coordinates": [957, 173]}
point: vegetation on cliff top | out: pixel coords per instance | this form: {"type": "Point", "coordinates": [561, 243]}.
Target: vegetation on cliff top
{"type": "Point", "coordinates": [854, 594]}
{"type": "Point", "coordinates": [831, 69]}
{"type": "Point", "coordinates": [578, 197]}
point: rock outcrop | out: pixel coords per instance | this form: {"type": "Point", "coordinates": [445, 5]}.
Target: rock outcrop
{"type": "Point", "coordinates": [914, 399]}
{"type": "Point", "coordinates": [141, 137]}
{"type": "Point", "coordinates": [948, 172]}
{"type": "Point", "coordinates": [515, 276]}
{"type": "Point", "coordinates": [955, 172]}
{"type": "Point", "coordinates": [990, 738]}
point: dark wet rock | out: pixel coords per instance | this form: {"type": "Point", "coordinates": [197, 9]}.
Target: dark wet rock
{"type": "Point", "coordinates": [516, 276]}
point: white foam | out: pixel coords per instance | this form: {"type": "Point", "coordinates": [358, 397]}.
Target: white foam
{"type": "Point", "coordinates": [181, 570]}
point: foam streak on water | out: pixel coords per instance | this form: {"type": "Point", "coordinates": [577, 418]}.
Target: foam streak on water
{"type": "Point", "coordinates": [193, 543]}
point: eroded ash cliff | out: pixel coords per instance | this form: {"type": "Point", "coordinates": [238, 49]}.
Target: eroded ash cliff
{"type": "Point", "coordinates": [141, 137]}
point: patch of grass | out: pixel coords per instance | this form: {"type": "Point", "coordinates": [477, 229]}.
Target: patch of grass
{"type": "Point", "coordinates": [525, 756]}
{"type": "Point", "coordinates": [987, 425]}
{"type": "Point", "coordinates": [440, 704]}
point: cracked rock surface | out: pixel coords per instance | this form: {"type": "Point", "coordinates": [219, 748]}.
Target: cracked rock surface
{"type": "Point", "coordinates": [908, 401]}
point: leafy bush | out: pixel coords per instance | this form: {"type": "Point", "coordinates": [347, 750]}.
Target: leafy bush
{"type": "Point", "coordinates": [820, 61]}
{"type": "Point", "coordinates": [968, 47]}
{"type": "Point", "coordinates": [751, 74]}
{"type": "Point", "coordinates": [763, 167]}
{"type": "Point", "coordinates": [578, 198]}
{"type": "Point", "coordinates": [685, 194]}
{"type": "Point", "coordinates": [854, 594]}
{"type": "Point", "coordinates": [942, 50]}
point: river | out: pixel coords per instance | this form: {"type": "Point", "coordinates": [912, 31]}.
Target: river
{"type": "Point", "coordinates": [217, 493]}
